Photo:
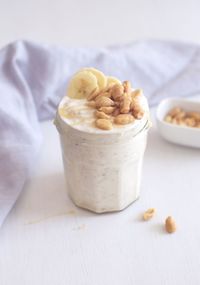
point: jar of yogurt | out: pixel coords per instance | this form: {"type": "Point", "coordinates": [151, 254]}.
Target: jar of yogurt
{"type": "Point", "coordinates": [102, 166]}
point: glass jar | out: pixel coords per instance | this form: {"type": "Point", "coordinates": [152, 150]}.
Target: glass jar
{"type": "Point", "coordinates": [103, 170]}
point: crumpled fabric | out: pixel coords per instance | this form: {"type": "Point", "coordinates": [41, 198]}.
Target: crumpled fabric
{"type": "Point", "coordinates": [33, 78]}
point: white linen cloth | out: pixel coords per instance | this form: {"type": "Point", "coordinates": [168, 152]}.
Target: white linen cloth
{"type": "Point", "coordinates": [33, 78]}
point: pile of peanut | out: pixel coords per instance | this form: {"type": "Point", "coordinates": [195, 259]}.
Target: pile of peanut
{"type": "Point", "coordinates": [116, 104]}
{"type": "Point", "coordinates": [182, 118]}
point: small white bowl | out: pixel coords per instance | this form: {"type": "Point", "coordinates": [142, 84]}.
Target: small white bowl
{"type": "Point", "coordinates": [182, 135]}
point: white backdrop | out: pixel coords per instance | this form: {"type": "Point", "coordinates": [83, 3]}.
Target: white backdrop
{"type": "Point", "coordinates": [93, 23]}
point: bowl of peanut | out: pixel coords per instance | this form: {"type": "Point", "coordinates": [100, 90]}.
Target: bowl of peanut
{"type": "Point", "coordinates": [178, 121]}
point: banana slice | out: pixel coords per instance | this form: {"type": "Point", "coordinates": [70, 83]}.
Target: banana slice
{"type": "Point", "coordinates": [82, 84]}
{"type": "Point", "coordinates": [101, 78]}
{"type": "Point", "coordinates": [111, 80]}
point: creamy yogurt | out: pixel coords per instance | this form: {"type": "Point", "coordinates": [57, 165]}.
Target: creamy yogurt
{"type": "Point", "coordinates": [77, 113]}
{"type": "Point", "coordinates": [102, 168]}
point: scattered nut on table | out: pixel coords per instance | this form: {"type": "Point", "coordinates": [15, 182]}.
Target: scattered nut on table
{"type": "Point", "coordinates": [149, 214]}
{"type": "Point", "coordinates": [170, 225]}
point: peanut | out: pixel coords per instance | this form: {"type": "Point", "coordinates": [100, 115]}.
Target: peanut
{"type": "Point", "coordinates": [125, 105]}
{"type": "Point", "coordinates": [181, 122]}
{"type": "Point", "coordinates": [104, 102]}
{"type": "Point", "coordinates": [174, 112]}
{"type": "Point", "coordinates": [190, 122]}
{"type": "Point", "coordinates": [105, 94]}
{"type": "Point", "coordinates": [123, 119]}
{"type": "Point", "coordinates": [116, 112]}
{"type": "Point", "coordinates": [194, 115]}
{"type": "Point", "coordinates": [127, 86]}
{"type": "Point", "coordinates": [168, 119]}
{"type": "Point", "coordinates": [149, 214]}
{"type": "Point", "coordinates": [138, 112]}
{"type": "Point", "coordinates": [180, 115]}
{"type": "Point", "coordinates": [91, 104]}
{"type": "Point", "coordinates": [107, 110]}
{"type": "Point", "coordinates": [170, 225]}
{"type": "Point", "coordinates": [136, 93]}
{"type": "Point", "coordinates": [101, 115]}
{"type": "Point", "coordinates": [135, 101]}
{"type": "Point", "coordinates": [104, 124]}
{"type": "Point", "coordinates": [117, 91]}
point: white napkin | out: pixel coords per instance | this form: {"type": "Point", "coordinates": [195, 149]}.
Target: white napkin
{"type": "Point", "coordinates": [33, 78]}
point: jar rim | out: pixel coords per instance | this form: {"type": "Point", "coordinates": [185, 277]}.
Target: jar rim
{"type": "Point", "coordinates": [61, 123]}
{"type": "Point", "coordinates": [97, 138]}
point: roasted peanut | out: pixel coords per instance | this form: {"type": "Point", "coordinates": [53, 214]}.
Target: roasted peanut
{"type": "Point", "coordinates": [116, 112]}
{"type": "Point", "coordinates": [107, 110]}
{"type": "Point", "coordinates": [103, 94]}
{"type": "Point", "coordinates": [123, 119]}
{"type": "Point", "coordinates": [180, 115]}
{"type": "Point", "coordinates": [149, 214]}
{"type": "Point", "coordinates": [135, 94]}
{"type": "Point", "coordinates": [170, 225]}
{"type": "Point", "coordinates": [91, 104]}
{"type": "Point", "coordinates": [125, 104]}
{"type": "Point", "coordinates": [138, 112]}
{"type": "Point", "coordinates": [194, 115]}
{"type": "Point", "coordinates": [174, 112]}
{"type": "Point", "coordinates": [127, 86]}
{"type": "Point", "coordinates": [104, 124]}
{"type": "Point", "coordinates": [190, 122]}
{"type": "Point", "coordinates": [101, 115]}
{"type": "Point", "coordinates": [117, 91]}
{"type": "Point", "coordinates": [168, 119]}
{"type": "Point", "coordinates": [104, 102]}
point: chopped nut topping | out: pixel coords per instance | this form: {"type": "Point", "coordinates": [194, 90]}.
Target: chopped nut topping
{"type": "Point", "coordinates": [116, 103]}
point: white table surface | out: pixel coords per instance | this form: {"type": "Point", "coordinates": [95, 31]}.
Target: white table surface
{"type": "Point", "coordinates": [46, 240]}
